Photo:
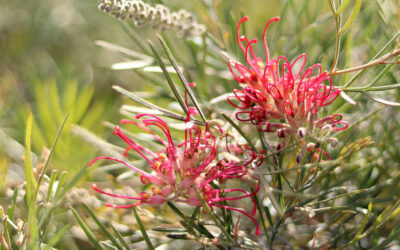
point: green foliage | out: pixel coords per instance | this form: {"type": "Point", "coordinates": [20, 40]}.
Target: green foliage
{"type": "Point", "coordinates": [50, 105]}
{"type": "Point", "coordinates": [31, 187]}
{"type": "Point", "coordinates": [350, 201]}
{"type": "Point", "coordinates": [36, 228]}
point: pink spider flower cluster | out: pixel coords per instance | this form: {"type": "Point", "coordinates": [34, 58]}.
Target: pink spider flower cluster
{"type": "Point", "coordinates": [178, 170]}
{"type": "Point", "coordinates": [276, 89]}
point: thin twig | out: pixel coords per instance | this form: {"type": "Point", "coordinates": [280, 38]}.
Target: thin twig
{"type": "Point", "coordinates": [381, 60]}
{"type": "Point", "coordinates": [337, 30]}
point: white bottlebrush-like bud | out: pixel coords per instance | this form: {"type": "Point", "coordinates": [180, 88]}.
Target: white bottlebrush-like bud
{"type": "Point", "coordinates": [326, 130]}
{"type": "Point", "coordinates": [332, 141]}
{"type": "Point", "coordinates": [158, 16]}
{"type": "Point", "coordinates": [301, 132]}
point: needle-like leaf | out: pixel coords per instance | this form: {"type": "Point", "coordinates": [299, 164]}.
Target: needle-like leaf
{"type": "Point", "coordinates": [142, 229]}
{"type": "Point", "coordinates": [168, 77]}
{"type": "Point", "coordinates": [182, 78]}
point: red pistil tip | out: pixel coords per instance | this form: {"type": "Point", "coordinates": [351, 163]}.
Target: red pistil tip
{"type": "Point", "coordinates": [95, 159]}
{"type": "Point", "coordinates": [117, 130]}
{"type": "Point", "coordinates": [92, 162]}
{"type": "Point", "coordinates": [243, 19]}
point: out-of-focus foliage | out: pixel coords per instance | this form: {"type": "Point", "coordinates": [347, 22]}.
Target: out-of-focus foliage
{"type": "Point", "coordinates": [48, 67]}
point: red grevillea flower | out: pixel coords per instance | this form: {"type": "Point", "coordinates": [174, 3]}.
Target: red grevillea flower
{"type": "Point", "coordinates": [276, 89]}
{"type": "Point", "coordinates": [176, 171]}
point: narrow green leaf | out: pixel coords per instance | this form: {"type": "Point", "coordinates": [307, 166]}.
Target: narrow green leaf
{"type": "Point", "coordinates": [70, 95]}
{"type": "Point", "coordinates": [140, 110]}
{"type": "Point", "coordinates": [141, 227]}
{"type": "Point", "coordinates": [138, 64]}
{"type": "Point", "coordinates": [351, 19]}
{"type": "Point", "coordinates": [356, 123]}
{"type": "Point", "coordinates": [29, 176]}
{"type": "Point", "coordinates": [67, 187]}
{"type": "Point", "coordinates": [157, 69]}
{"type": "Point", "coordinates": [10, 223]}
{"type": "Point", "coordinates": [332, 8]}
{"type": "Point", "coordinates": [120, 238]}
{"type": "Point", "coordinates": [128, 110]}
{"type": "Point", "coordinates": [133, 35]}
{"type": "Point", "coordinates": [188, 224]}
{"type": "Point", "coordinates": [203, 230]}
{"type": "Point", "coordinates": [232, 25]}
{"type": "Point", "coordinates": [213, 216]}
{"type": "Point", "coordinates": [54, 101]}
{"type": "Point", "coordinates": [380, 52]}
{"type": "Point", "coordinates": [381, 218]}
{"type": "Point", "coordinates": [359, 234]}
{"type": "Point", "coordinates": [213, 39]}
{"type": "Point", "coordinates": [171, 83]}
{"type": "Point", "coordinates": [363, 223]}
{"type": "Point", "coordinates": [379, 76]}
{"type": "Point", "coordinates": [165, 112]}
{"type": "Point", "coordinates": [261, 214]}
{"type": "Point", "coordinates": [395, 212]}
{"type": "Point", "coordinates": [177, 211]}
{"type": "Point", "coordinates": [47, 123]}
{"type": "Point", "coordinates": [60, 184]}
{"type": "Point", "coordinates": [82, 102]}
{"type": "Point", "coordinates": [339, 196]}
{"type": "Point", "coordinates": [42, 174]}
{"type": "Point", "coordinates": [393, 236]}
{"type": "Point", "coordinates": [195, 214]}
{"type": "Point", "coordinates": [138, 99]}
{"type": "Point", "coordinates": [238, 129]}
{"type": "Point", "coordinates": [347, 98]}
{"type": "Point", "coordinates": [168, 229]}
{"type": "Point", "coordinates": [199, 227]}
{"type": "Point", "coordinates": [105, 147]}
{"type": "Point", "coordinates": [178, 236]}
{"type": "Point", "coordinates": [85, 229]}
{"type": "Point", "coordinates": [342, 7]}
{"type": "Point", "coordinates": [218, 99]}
{"type": "Point", "coordinates": [53, 177]}
{"type": "Point", "coordinates": [122, 50]}
{"type": "Point", "coordinates": [11, 209]}
{"type": "Point", "coordinates": [58, 236]}
{"type": "Point", "coordinates": [102, 227]}
{"type": "Point", "coordinates": [269, 216]}
{"type": "Point", "coordinates": [14, 149]}
{"type": "Point", "coordinates": [377, 88]}
{"type": "Point", "coordinates": [380, 100]}
{"type": "Point", "coordinates": [203, 61]}
{"type": "Point", "coordinates": [33, 233]}
{"type": "Point", "coordinates": [182, 78]}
